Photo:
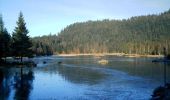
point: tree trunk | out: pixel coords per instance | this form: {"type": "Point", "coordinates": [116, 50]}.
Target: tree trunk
{"type": "Point", "coordinates": [21, 73]}
{"type": "Point", "coordinates": [21, 58]}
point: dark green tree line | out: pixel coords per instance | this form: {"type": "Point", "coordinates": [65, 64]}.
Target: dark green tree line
{"type": "Point", "coordinates": [46, 45]}
{"type": "Point", "coordinates": [136, 35]}
{"type": "Point", "coordinates": [41, 49]}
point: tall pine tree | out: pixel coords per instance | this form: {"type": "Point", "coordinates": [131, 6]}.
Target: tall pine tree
{"type": "Point", "coordinates": [4, 40]}
{"type": "Point", "coordinates": [21, 45]}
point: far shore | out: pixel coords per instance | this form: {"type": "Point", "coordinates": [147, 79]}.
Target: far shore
{"type": "Point", "coordinates": [109, 54]}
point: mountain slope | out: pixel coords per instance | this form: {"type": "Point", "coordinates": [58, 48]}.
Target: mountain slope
{"type": "Point", "coordinates": [142, 35]}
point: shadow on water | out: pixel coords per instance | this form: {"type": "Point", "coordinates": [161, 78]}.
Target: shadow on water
{"type": "Point", "coordinates": [23, 84]}
{"type": "Point", "coordinates": [17, 80]}
{"type": "Point", "coordinates": [4, 85]}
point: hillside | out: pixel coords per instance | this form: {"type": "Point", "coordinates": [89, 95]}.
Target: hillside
{"type": "Point", "coordinates": [140, 35]}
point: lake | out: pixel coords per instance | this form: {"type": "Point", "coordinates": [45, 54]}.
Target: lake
{"type": "Point", "coordinates": [83, 78]}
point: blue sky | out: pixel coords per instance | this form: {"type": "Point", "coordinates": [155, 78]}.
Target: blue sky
{"type": "Point", "coordinates": [51, 16]}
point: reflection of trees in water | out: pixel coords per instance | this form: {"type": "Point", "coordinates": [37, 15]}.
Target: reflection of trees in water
{"type": "Point", "coordinates": [80, 75]}
{"type": "Point", "coordinates": [23, 84]}
{"type": "Point", "coordinates": [4, 85]}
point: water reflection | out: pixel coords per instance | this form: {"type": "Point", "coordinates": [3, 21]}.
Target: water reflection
{"type": "Point", "coordinates": [75, 74]}
{"type": "Point", "coordinates": [4, 85]}
{"type": "Point", "coordinates": [23, 84]}
{"type": "Point", "coordinates": [142, 67]}
{"type": "Point", "coordinates": [81, 75]}
{"type": "Point", "coordinates": [17, 81]}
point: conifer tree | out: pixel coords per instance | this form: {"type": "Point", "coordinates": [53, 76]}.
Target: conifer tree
{"type": "Point", "coordinates": [21, 45]}
{"type": "Point", "coordinates": [4, 40]}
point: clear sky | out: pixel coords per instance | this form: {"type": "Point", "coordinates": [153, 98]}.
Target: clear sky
{"type": "Point", "coordinates": [51, 16]}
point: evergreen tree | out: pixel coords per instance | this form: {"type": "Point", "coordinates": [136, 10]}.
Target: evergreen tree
{"type": "Point", "coordinates": [4, 40]}
{"type": "Point", "coordinates": [137, 35]}
{"type": "Point", "coordinates": [21, 45]}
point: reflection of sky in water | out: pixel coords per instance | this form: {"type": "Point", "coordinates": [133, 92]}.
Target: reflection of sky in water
{"type": "Point", "coordinates": [54, 86]}
{"type": "Point", "coordinates": [84, 78]}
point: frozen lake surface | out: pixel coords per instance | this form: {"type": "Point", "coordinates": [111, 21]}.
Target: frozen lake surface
{"type": "Point", "coordinates": [83, 78]}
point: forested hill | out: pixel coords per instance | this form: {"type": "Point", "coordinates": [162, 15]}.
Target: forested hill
{"type": "Point", "coordinates": [140, 35]}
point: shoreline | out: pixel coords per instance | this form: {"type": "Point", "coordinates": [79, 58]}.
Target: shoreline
{"type": "Point", "coordinates": [110, 54]}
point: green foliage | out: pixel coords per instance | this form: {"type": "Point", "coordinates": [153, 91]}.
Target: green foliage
{"type": "Point", "coordinates": [41, 49]}
{"type": "Point", "coordinates": [137, 35]}
{"type": "Point", "coordinates": [21, 44]}
{"type": "Point", "coordinates": [4, 40]}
